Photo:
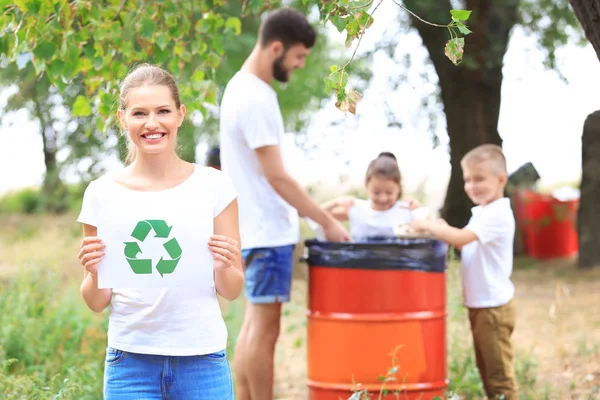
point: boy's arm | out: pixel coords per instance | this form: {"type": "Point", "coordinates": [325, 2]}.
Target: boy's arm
{"type": "Point", "coordinates": [440, 229]}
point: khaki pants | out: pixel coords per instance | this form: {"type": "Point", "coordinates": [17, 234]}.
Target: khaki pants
{"type": "Point", "coordinates": [492, 328]}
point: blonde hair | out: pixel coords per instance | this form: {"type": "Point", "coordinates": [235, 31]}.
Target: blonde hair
{"type": "Point", "coordinates": [145, 75]}
{"type": "Point", "coordinates": [489, 153]}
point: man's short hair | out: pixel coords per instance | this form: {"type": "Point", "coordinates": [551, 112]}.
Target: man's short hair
{"type": "Point", "coordinates": [489, 153]}
{"type": "Point", "coordinates": [288, 26]}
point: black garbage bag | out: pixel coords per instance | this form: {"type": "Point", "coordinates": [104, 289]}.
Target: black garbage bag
{"type": "Point", "coordinates": [376, 253]}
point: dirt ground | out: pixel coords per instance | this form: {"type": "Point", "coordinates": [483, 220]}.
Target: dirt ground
{"type": "Point", "coordinates": [558, 327]}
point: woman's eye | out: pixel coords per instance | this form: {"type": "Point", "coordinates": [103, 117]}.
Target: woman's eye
{"type": "Point", "coordinates": [137, 113]}
{"type": "Point", "coordinates": [164, 111]}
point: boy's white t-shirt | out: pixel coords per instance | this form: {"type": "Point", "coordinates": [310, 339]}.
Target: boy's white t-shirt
{"type": "Point", "coordinates": [365, 222]}
{"type": "Point", "coordinates": [174, 322]}
{"type": "Point", "coordinates": [487, 263]}
{"type": "Point", "coordinates": [250, 118]}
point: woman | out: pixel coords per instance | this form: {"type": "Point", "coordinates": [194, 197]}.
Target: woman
{"type": "Point", "coordinates": [166, 342]}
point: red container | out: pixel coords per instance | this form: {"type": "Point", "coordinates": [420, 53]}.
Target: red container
{"type": "Point", "coordinates": [358, 316]}
{"type": "Point", "coordinates": [550, 226]}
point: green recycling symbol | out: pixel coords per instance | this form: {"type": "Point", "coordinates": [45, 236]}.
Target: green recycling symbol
{"type": "Point", "coordinates": [144, 266]}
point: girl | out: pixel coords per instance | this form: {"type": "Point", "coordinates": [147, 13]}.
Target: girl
{"type": "Point", "coordinates": [384, 210]}
{"type": "Point", "coordinates": [164, 343]}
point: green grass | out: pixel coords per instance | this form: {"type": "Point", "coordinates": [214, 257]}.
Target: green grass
{"type": "Point", "coordinates": [51, 345]}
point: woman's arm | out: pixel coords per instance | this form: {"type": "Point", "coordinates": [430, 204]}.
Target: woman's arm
{"type": "Point", "coordinates": [225, 245]}
{"type": "Point", "coordinates": [90, 254]}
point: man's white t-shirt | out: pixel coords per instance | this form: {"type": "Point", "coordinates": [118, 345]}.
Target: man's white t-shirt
{"type": "Point", "coordinates": [174, 322]}
{"type": "Point", "coordinates": [487, 263]}
{"type": "Point", "coordinates": [365, 222]}
{"type": "Point", "coordinates": [250, 118]}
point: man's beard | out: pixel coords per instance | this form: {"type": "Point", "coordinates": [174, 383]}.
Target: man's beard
{"type": "Point", "coordinates": [279, 72]}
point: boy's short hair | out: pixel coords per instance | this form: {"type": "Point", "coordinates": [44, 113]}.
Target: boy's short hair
{"type": "Point", "coordinates": [489, 153]}
{"type": "Point", "coordinates": [288, 26]}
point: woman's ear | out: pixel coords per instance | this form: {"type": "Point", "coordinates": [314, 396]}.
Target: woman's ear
{"type": "Point", "coordinates": [182, 112]}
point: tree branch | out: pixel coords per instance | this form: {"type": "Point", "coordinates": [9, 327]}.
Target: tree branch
{"type": "Point", "coordinates": [417, 17]}
{"type": "Point", "coordinates": [361, 36]}
{"type": "Point", "coordinates": [121, 7]}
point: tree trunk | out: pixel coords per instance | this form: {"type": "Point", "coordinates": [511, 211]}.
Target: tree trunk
{"type": "Point", "coordinates": [588, 14]}
{"type": "Point", "coordinates": [54, 192]}
{"type": "Point", "coordinates": [588, 225]}
{"type": "Point", "coordinates": [471, 91]}
{"type": "Point", "coordinates": [588, 221]}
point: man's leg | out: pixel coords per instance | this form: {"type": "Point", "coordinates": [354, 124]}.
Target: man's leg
{"type": "Point", "coordinates": [268, 284]}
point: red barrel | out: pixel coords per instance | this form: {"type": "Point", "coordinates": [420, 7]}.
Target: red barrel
{"type": "Point", "coordinates": [551, 225]}
{"type": "Point", "coordinates": [363, 309]}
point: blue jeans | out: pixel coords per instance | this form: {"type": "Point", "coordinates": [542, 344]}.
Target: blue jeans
{"type": "Point", "coordinates": [131, 376]}
{"type": "Point", "coordinates": [268, 273]}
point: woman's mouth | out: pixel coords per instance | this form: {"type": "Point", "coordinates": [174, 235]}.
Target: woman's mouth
{"type": "Point", "coordinates": [153, 137]}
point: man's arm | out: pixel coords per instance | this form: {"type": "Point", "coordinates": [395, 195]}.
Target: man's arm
{"type": "Point", "coordinates": [291, 191]}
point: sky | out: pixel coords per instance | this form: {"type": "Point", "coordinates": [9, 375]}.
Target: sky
{"type": "Point", "coordinates": [541, 120]}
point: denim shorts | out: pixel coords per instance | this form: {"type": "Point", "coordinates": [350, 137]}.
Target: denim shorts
{"type": "Point", "coordinates": [131, 376]}
{"type": "Point", "coordinates": [268, 274]}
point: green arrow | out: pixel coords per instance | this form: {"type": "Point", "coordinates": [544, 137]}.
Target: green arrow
{"type": "Point", "coordinates": [166, 266]}
{"type": "Point", "coordinates": [141, 230]}
{"type": "Point", "coordinates": [132, 249]}
{"type": "Point", "coordinates": [173, 248]}
{"type": "Point", "coordinates": [140, 266]}
{"type": "Point", "coordinates": [160, 227]}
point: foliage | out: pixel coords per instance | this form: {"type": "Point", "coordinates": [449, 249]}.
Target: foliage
{"type": "Point", "coordinates": [67, 139]}
{"type": "Point", "coordinates": [32, 200]}
{"type": "Point", "coordinates": [100, 41]}
{"type": "Point", "coordinates": [353, 17]}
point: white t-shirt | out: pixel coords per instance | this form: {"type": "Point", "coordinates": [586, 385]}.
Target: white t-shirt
{"type": "Point", "coordinates": [175, 322]}
{"type": "Point", "coordinates": [250, 118]}
{"type": "Point", "coordinates": [487, 263]}
{"type": "Point", "coordinates": [364, 221]}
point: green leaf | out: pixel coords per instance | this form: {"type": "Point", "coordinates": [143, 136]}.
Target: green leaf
{"type": "Point", "coordinates": [55, 68]}
{"type": "Point", "coordinates": [463, 28]}
{"type": "Point", "coordinates": [333, 68]}
{"type": "Point", "coordinates": [198, 76]}
{"type": "Point", "coordinates": [462, 15]}
{"type": "Point", "coordinates": [328, 85]}
{"type": "Point", "coordinates": [235, 24]}
{"type": "Point", "coordinates": [162, 41]}
{"type": "Point", "coordinates": [44, 50]}
{"type": "Point", "coordinates": [81, 107]}
{"type": "Point", "coordinates": [352, 28]}
{"type": "Point", "coordinates": [364, 20]}
{"type": "Point", "coordinates": [339, 22]}
{"type": "Point", "coordinates": [256, 6]}
{"type": "Point", "coordinates": [147, 27]}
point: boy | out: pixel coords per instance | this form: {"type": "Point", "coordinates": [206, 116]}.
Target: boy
{"type": "Point", "coordinates": [487, 257]}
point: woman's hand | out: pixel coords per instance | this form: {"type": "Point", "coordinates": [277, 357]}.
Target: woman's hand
{"type": "Point", "coordinates": [91, 253]}
{"type": "Point", "coordinates": [225, 251]}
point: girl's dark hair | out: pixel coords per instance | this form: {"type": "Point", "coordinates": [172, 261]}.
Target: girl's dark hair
{"type": "Point", "coordinates": [385, 166]}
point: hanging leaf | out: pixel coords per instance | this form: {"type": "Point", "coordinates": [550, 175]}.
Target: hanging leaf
{"type": "Point", "coordinates": [455, 49]}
